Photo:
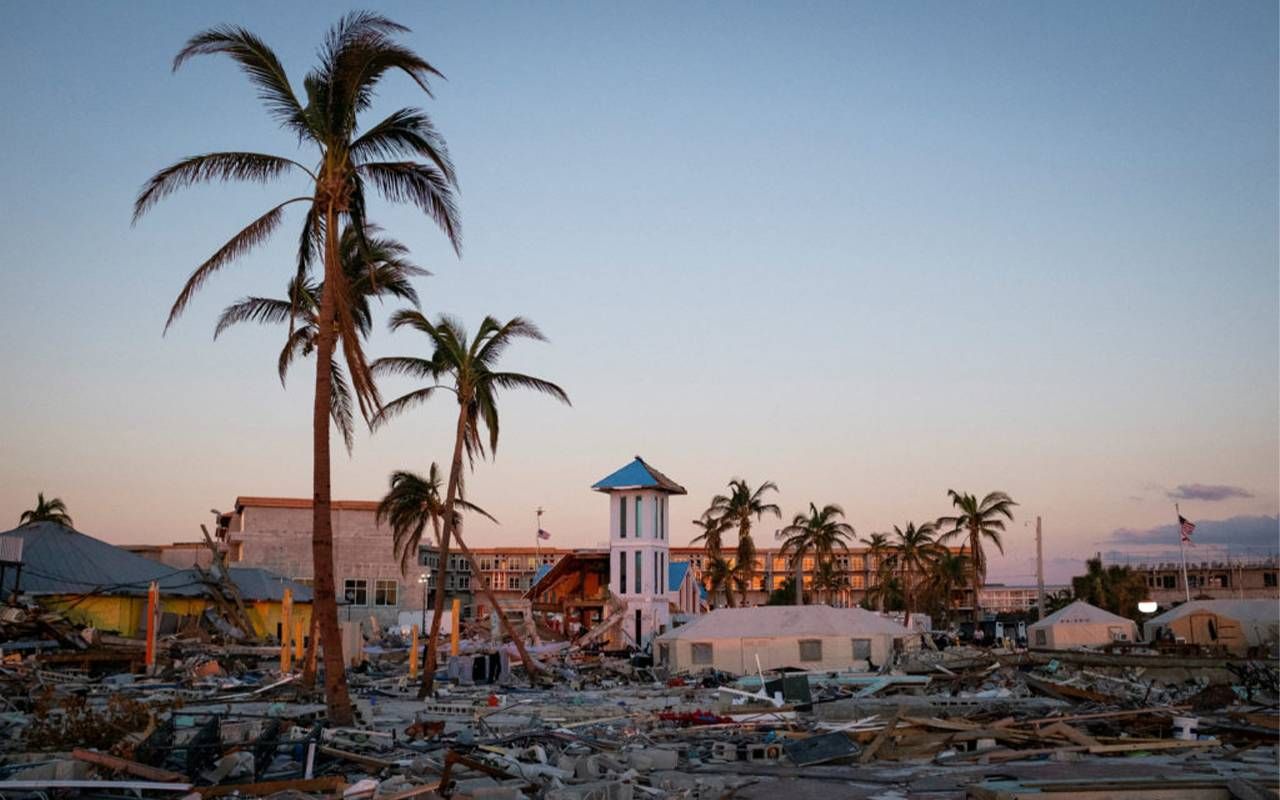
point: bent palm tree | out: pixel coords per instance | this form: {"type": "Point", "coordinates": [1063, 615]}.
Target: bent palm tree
{"type": "Point", "coordinates": [977, 520]}
{"type": "Point", "coordinates": [739, 507]}
{"type": "Point", "coordinates": [913, 554]}
{"type": "Point", "coordinates": [829, 578]}
{"type": "Point", "coordinates": [411, 504]}
{"type": "Point", "coordinates": [357, 53]}
{"type": "Point", "coordinates": [712, 536]}
{"type": "Point", "coordinates": [471, 365]}
{"type": "Point", "coordinates": [819, 532]}
{"type": "Point", "coordinates": [721, 577]}
{"type": "Point", "coordinates": [51, 510]}
{"type": "Point", "coordinates": [375, 268]}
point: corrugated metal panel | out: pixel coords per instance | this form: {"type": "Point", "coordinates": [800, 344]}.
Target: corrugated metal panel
{"type": "Point", "coordinates": [11, 549]}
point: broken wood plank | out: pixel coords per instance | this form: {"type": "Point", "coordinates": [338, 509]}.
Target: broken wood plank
{"type": "Point", "coordinates": [131, 767]}
{"type": "Point", "coordinates": [329, 784]}
{"type": "Point", "coordinates": [357, 758]}
{"type": "Point", "coordinates": [412, 792]}
{"type": "Point", "coordinates": [881, 738]}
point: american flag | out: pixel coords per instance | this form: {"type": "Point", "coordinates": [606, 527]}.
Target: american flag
{"type": "Point", "coordinates": [543, 534]}
{"type": "Point", "coordinates": [1187, 528]}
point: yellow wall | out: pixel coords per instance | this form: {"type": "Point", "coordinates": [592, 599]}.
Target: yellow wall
{"type": "Point", "coordinates": [124, 614]}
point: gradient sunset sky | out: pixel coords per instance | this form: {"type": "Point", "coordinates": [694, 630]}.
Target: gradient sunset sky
{"type": "Point", "coordinates": [868, 251]}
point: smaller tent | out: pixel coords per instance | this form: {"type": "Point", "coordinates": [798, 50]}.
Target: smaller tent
{"type": "Point", "coordinates": [1237, 625]}
{"type": "Point", "coordinates": [807, 637]}
{"type": "Point", "coordinates": [1080, 624]}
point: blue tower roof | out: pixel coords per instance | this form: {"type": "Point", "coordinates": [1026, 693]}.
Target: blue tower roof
{"type": "Point", "coordinates": [637, 475]}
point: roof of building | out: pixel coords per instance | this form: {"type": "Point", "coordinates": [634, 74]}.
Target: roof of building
{"type": "Point", "coordinates": [1260, 610]}
{"type": "Point", "coordinates": [785, 622]}
{"type": "Point", "coordinates": [637, 475]}
{"type": "Point", "coordinates": [1082, 613]}
{"type": "Point", "coordinates": [676, 570]}
{"type": "Point", "coordinates": [303, 502]}
{"type": "Point", "coordinates": [57, 560]}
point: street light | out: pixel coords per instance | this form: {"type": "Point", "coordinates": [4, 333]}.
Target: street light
{"type": "Point", "coordinates": [424, 579]}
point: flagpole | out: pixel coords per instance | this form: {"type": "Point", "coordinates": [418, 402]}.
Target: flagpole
{"type": "Point", "coordinates": [1182, 547]}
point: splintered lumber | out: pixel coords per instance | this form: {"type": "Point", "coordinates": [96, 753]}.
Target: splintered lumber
{"type": "Point", "coordinates": [1070, 734]}
{"type": "Point", "coordinates": [131, 767]}
{"type": "Point", "coordinates": [330, 784]}
{"type": "Point", "coordinates": [413, 791]}
{"type": "Point", "coordinates": [356, 758]}
{"type": "Point", "coordinates": [97, 786]}
{"type": "Point", "coordinates": [1153, 744]}
{"type": "Point", "coordinates": [881, 738]}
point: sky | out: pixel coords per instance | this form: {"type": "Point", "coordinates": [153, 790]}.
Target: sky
{"type": "Point", "coordinates": [869, 251]}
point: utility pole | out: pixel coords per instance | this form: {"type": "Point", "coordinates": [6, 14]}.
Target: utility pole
{"type": "Point", "coordinates": [1039, 572]}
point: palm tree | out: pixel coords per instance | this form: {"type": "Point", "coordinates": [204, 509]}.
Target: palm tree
{"type": "Point", "coordinates": [471, 366]}
{"type": "Point", "coordinates": [974, 522]}
{"type": "Point", "coordinates": [887, 594]}
{"type": "Point", "coordinates": [739, 507]}
{"type": "Point", "coordinates": [412, 503]}
{"type": "Point", "coordinates": [819, 532]}
{"type": "Point", "coordinates": [828, 577]}
{"type": "Point", "coordinates": [878, 551]}
{"type": "Point", "coordinates": [357, 53]}
{"type": "Point", "coordinates": [1055, 601]}
{"type": "Point", "coordinates": [721, 577]}
{"type": "Point", "coordinates": [713, 529]}
{"type": "Point", "coordinates": [949, 572]}
{"type": "Point", "coordinates": [913, 554]}
{"type": "Point", "coordinates": [1115, 587]}
{"type": "Point", "coordinates": [375, 268]}
{"type": "Point", "coordinates": [51, 510]}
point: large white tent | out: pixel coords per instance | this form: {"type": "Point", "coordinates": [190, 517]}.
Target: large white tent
{"type": "Point", "coordinates": [807, 637]}
{"type": "Point", "coordinates": [1080, 624]}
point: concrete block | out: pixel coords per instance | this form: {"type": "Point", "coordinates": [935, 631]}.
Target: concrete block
{"type": "Point", "coordinates": [653, 758]}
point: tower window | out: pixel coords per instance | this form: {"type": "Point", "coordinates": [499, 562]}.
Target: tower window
{"type": "Point", "coordinates": [639, 517]}
{"type": "Point", "coordinates": [622, 571]}
{"type": "Point", "coordinates": [639, 573]}
{"type": "Point", "coordinates": [622, 516]}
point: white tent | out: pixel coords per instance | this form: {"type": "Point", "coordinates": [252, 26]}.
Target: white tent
{"type": "Point", "coordinates": [807, 637]}
{"type": "Point", "coordinates": [1080, 624]}
{"type": "Point", "coordinates": [1237, 625]}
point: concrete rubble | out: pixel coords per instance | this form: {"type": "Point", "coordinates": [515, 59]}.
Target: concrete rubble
{"type": "Point", "coordinates": [217, 719]}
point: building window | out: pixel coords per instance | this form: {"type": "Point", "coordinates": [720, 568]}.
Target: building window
{"type": "Point", "coordinates": [513, 581]}
{"type": "Point", "coordinates": [701, 652]}
{"type": "Point", "coordinates": [639, 568]}
{"type": "Point", "coordinates": [664, 654]}
{"type": "Point", "coordinates": [622, 517]}
{"type": "Point", "coordinates": [1042, 637]}
{"type": "Point", "coordinates": [486, 564]}
{"type": "Point", "coordinates": [1169, 581]}
{"type": "Point", "coordinates": [1269, 579]}
{"type": "Point", "coordinates": [622, 570]}
{"type": "Point", "coordinates": [385, 592]}
{"type": "Point", "coordinates": [657, 584]}
{"type": "Point", "coordinates": [810, 649]}
{"type": "Point", "coordinates": [464, 582]}
{"type": "Point", "coordinates": [356, 591]}
{"type": "Point", "coordinates": [857, 582]}
{"type": "Point", "coordinates": [862, 649]}
{"type": "Point", "coordinates": [639, 519]}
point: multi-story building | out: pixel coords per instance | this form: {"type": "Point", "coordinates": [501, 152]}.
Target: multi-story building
{"type": "Point", "coordinates": [1230, 577]}
{"type": "Point", "coordinates": [1013, 598]}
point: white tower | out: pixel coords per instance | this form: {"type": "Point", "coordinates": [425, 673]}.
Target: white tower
{"type": "Point", "coordinates": [639, 546]}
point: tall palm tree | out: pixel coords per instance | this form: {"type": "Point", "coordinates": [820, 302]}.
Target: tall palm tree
{"type": "Point", "coordinates": [51, 510]}
{"type": "Point", "coordinates": [887, 594]}
{"type": "Point", "coordinates": [948, 572]}
{"type": "Point", "coordinates": [721, 577]}
{"type": "Point", "coordinates": [740, 507]}
{"type": "Point", "coordinates": [403, 159]}
{"type": "Point", "coordinates": [878, 551]}
{"type": "Point", "coordinates": [375, 268]}
{"type": "Point", "coordinates": [471, 366]}
{"type": "Point", "coordinates": [914, 552]}
{"type": "Point", "coordinates": [975, 521]}
{"type": "Point", "coordinates": [818, 532]}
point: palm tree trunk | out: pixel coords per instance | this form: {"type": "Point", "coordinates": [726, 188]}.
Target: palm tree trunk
{"type": "Point", "coordinates": [799, 578]}
{"type": "Point", "coordinates": [325, 599]}
{"type": "Point", "coordinates": [430, 658]}
{"type": "Point", "coordinates": [977, 575]}
{"type": "Point", "coordinates": [451, 495]}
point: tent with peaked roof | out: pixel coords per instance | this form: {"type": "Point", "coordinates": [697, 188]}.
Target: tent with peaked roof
{"type": "Point", "coordinates": [815, 637]}
{"type": "Point", "coordinates": [1236, 625]}
{"type": "Point", "coordinates": [1078, 625]}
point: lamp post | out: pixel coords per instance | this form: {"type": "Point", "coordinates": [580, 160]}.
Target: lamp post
{"type": "Point", "coordinates": [424, 579]}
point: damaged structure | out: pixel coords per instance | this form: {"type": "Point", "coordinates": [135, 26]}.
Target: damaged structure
{"type": "Point", "coordinates": [1238, 627]}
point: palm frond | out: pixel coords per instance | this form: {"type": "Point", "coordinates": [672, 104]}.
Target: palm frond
{"type": "Point", "coordinates": [401, 404]}
{"type": "Point", "coordinates": [406, 132]}
{"type": "Point", "coordinates": [263, 310]}
{"type": "Point", "coordinates": [423, 186]}
{"type": "Point", "coordinates": [260, 63]}
{"type": "Point", "coordinates": [513, 380]}
{"type": "Point", "coordinates": [230, 166]}
{"type": "Point", "coordinates": [340, 405]}
{"type": "Point", "coordinates": [250, 237]}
